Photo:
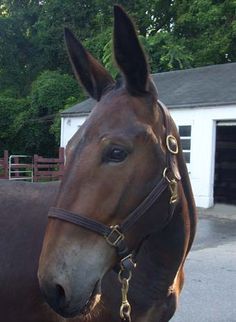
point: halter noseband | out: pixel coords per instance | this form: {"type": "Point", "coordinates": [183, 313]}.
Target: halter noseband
{"type": "Point", "coordinates": [115, 235]}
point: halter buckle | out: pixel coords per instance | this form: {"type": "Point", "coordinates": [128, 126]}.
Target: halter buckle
{"type": "Point", "coordinates": [173, 187]}
{"type": "Point", "coordinates": [127, 263]}
{"type": "Point", "coordinates": [174, 191]}
{"type": "Point", "coordinates": [172, 144]}
{"type": "Point", "coordinates": [115, 236]}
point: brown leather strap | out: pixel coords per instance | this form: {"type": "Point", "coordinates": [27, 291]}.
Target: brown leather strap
{"type": "Point", "coordinates": [79, 220]}
{"type": "Point", "coordinates": [114, 235]}
{"type": "Point", "coordinates": [143, 207]}
{"type": "Point", "coordinates": [171, 160]}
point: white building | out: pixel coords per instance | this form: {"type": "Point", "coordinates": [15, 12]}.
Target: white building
{"type": "Point", "coordinates": [202, 102]}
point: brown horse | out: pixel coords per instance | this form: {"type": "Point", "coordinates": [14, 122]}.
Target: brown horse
{"type": "Point", "coordinates": [23, 218]}
{"type": "Point", "coordinates": [125, 180]}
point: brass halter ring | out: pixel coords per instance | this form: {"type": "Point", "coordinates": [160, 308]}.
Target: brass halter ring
{"type": "Point", "coordinates": [172, 150]}
{"type": "Point", "coordinates": [165, 175]}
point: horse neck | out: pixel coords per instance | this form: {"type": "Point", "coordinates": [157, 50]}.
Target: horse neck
{"type": "Point", "coordinates": [188, 194]}
{"type": "Point", "coordinates": [163, 252]}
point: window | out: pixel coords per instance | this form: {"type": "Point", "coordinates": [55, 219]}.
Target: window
{"type": "Point", "coordinates": [185, 138]}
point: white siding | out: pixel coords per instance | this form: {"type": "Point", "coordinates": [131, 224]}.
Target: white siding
{"type": "Point", "coordinates": [202, 165]}
{"type": "Point", "coordinates": [69, 126]}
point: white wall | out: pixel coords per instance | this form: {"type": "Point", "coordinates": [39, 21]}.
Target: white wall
{"type": "Point", "coordinates": [203, 138]}
{"type": "Point", "coordinates": [202, 163]}
{"type": "Point", "coordinates": [69, 126]}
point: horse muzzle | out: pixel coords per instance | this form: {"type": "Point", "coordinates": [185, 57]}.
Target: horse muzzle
{"type": "Point", "coordinates": [59, 297]}
{"type": "Point", "coordinates": [71, 269]}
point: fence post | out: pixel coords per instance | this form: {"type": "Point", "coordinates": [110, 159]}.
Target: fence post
{"type": "Point", "coordinates": [61, 161]}
{"type": "Point", "coordinates": [35, 167]}
{"type": "Point", "coordinates": [5, 164]}
{"type": "Point", "coordinates": [61, 154]}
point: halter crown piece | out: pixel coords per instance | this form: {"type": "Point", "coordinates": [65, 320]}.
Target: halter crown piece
{"type": "Point", "coordinates": [115, 235]}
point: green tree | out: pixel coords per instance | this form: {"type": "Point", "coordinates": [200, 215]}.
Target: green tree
{"type": "Point", "coordinates": [208, 29]}
{"type": "Point", "coordinates": [10, 109]}
{"type": "Point", "coordinates": [18, 54]}
{"type": "Point", "coordinates": [50, 93]}
{"type": "Point", "coordinates": [27, 125]}
{"type": "Point", "coordinates": [55, 128]}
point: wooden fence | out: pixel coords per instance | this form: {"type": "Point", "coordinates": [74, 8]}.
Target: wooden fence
{"type": "Point", "coordinates": [4, 166]}
{"type": "Point", "coordinates": [48, 169]}
{"type": "Point", "coordinates": [44, 169]}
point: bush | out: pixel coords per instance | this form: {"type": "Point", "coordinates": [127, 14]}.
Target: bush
{"type": "Point", "coordinates": [10, 108]}
{"type": "Point", "coordinates": [32, 125]}
{"type": "Point", "coordinates": [49, 94]}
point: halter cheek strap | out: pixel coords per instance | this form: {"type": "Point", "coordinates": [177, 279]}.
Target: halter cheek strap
{"type": "Point", "coordinates": [115, 235]}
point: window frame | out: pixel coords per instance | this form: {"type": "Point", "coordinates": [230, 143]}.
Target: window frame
{"type": "Point", "coordinates": [190, 124]}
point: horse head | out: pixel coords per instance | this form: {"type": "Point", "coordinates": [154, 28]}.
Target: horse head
{"type": "Point", "coordinates": [112, 163]}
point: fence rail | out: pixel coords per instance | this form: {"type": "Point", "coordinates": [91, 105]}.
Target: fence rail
{"type": "Point", "coordinates": [41, 169]}
{"type": "Point", "coordinates": [49, 168]}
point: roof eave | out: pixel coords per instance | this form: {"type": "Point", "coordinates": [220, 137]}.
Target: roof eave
{"type": "Point", "coordinates": [75, 114]}
{"type": "Point", "coordinates": [199, 105]}
{"type": "Point", "coordinates": [181, 106]}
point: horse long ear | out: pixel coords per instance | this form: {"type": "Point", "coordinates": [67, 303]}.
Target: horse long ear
{"type": "Point", "coordinates": [128, 52]}
{"type": "Point", "coordinates": [90, 73]}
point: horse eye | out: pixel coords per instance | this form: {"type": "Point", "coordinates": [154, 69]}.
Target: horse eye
{"type": "Point", "coordinates": [115, 155]}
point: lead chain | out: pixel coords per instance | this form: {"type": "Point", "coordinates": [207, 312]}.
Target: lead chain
{"type": "Point", "coordinates": [125, 308]}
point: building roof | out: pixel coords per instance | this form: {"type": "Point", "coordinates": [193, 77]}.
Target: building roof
{"type": "Point", "coordinates": [213, 85]}
{"type": "Point", "coordinates": [82, 108]}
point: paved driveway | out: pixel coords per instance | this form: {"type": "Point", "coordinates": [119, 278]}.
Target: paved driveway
{"type": "Point", "coordinates": [209, 293]}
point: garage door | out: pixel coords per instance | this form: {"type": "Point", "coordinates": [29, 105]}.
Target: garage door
{"type": "Point", "coordinates": [225, 163]}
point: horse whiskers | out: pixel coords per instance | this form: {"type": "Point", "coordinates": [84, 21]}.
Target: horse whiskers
{"type": "Point", "coordinates": [95, 310]}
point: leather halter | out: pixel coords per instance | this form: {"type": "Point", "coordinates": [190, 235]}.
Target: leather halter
{"type": "Point", "coordinates": [114, 235]}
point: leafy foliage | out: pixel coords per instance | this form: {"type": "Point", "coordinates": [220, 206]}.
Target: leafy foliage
{"type": "Point", "coordinates": [207, 28]}
{"type": "Point", "coordinates": [50, 91]}
{"type": "Point", "coordinates": [49, 94]}
{"type": "Point", "coordinates": [11, 123]}
{"type": "Point", "coordinates": [29, 123]}
{"type": "Point", "coordinates": [55, 128]}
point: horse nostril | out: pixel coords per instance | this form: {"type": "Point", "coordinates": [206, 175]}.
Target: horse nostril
{"type": "Point", "coordinates": [61, 296]}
